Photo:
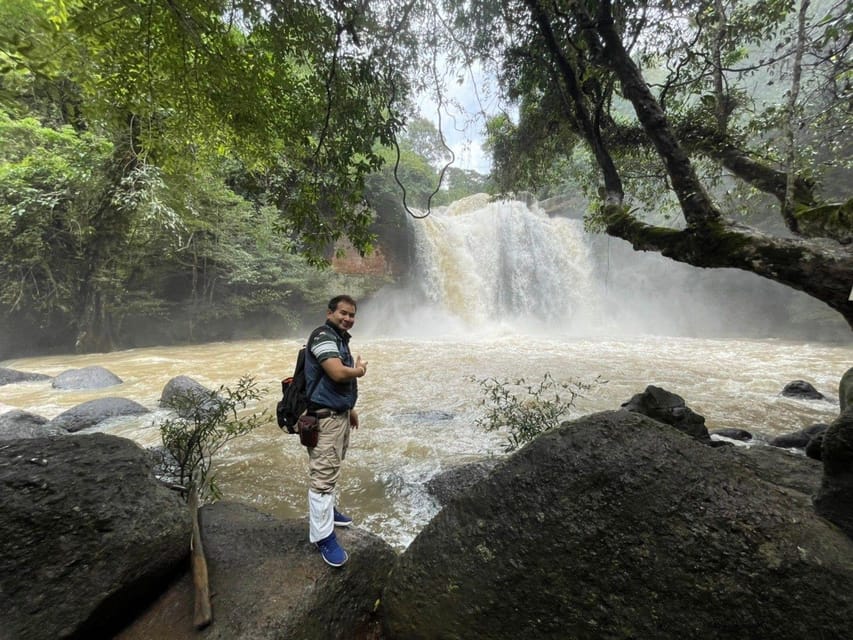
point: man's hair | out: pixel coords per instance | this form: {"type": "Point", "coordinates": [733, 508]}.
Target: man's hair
{"type": "Point", "coordinates": [334, 302]}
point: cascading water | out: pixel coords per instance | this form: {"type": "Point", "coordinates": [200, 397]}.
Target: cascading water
{"type": "Point", "coordinates": [501, 264]}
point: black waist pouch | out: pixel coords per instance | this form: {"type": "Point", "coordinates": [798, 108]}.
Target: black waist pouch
{"type": "Point", "coordinates": [308, 430]}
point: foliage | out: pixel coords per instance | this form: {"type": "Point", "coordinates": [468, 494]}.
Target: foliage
{"type": "Point", "coordinates": [204, 422]}
{"type": "Point", "coordinates": [528, 409]}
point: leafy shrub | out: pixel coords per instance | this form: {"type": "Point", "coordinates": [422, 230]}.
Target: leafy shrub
{"type": "Point", "coordinates": [528, 409]}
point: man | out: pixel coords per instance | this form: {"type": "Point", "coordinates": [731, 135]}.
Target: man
{"type": "Point", "coordinates": [330, 377]}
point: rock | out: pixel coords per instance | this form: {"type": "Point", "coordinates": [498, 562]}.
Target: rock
{"type": "Point", "coordinates": [17, 424]}
{"type": "Point", "coordinates": [845, 390]}
{"type": "Point", "coordinates": [182, 391]}
{"type": "Point", "coordinates": [814, 449]}
{"type": "Point", "coordinates": [834, 500]}
{"type": "Point", "coordinates": [431, 415]}
{"type": "Point", "coordinates": [86, 535]}
{"type": "Point", "coordinates": [798, 439]}
{"type": "Point", "coordinates": [269, 582]}
{"type": "Point", "coordinates": [618, 526]}
{"type": "Point", "coordinates": [11, 376]}
{"type": "Point", "coordinates": [89, 414]}
{"type": "Point", "coordinates": [741, 435]}
{"type": "Point", "coordinates": [801, 389]}
{"type": "Point", "coordinates": [86, 378]}
{"type": "Point", "coordinates": [670, 409]}
{"type": "Point", "coordinates": [781, 467]}
{"type": "Point", "coordinates": [447, 485]}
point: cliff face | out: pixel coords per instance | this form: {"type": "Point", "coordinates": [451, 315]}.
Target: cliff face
{"type": "Point", "coordinates": [347, 261]}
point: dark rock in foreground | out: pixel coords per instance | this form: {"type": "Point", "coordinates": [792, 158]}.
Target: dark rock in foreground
{"type": "Point", "coordinates": [17, 424]}
{"type": "Point", "coordinates": [269, 582]}
{"type": "Point", "coordinates": [834, 500]}
{"type": "Point", "coordinates": [617, 526]}
{"type": "Point", "coordinates": [455, 481]}
{"type": "Point", "coordinates": [86, 378]}
{"type": "Point", "coordinates": [89, 414]}
{"type": "Point", "coordinates": [845, 390]}
{"type": "Point", "coordinates": [86, 535]}
{"type": "Point", "coordinates": [11, 376]}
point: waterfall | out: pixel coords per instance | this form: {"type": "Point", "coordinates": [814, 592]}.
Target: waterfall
{"type": "Point", "coordinates": [506, 267]}
{"type": "Point", "coordinates": [502, 264]}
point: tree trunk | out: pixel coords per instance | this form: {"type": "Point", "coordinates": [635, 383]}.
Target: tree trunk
{"type": "Point", "coordinates": [824, 270]}
{"type": "Point", "coordinates": [202, 613]}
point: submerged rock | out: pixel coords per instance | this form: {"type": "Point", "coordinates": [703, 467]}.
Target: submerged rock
{"type": "Point", "coordinates": [801, 389]}
{"type": "Point", "coordinates": [91, 413]}
{"type": "Point", "coordinates": [86, 378]}
{"type": "Point", "coordinates": [618, 526]}
{"type": "Point", "coordinates": [11, 376]}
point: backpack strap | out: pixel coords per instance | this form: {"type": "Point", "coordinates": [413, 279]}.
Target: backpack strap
{"type": "Point", "coordinates": [308, 354]}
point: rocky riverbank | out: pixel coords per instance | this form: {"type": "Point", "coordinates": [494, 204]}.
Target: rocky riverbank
{"type": "Point", "coordinates": [616, 525]}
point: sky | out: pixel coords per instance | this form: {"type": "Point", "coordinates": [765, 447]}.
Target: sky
{"type": "Point", "coordinates": [466, 105]}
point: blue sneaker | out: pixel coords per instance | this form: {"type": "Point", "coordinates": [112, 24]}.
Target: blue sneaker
{"type": "Point", "coordinates": [342, 520]}
{"type": "Point", "coordinates": [332, 552]}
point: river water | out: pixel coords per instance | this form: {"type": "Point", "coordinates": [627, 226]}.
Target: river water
{"type": "Point", "coordinates": [489, 310]}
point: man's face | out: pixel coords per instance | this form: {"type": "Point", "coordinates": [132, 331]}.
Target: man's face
{"type": "Point", "coordinates": [343, 317]}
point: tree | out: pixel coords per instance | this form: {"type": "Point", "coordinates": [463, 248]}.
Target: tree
{"type": "Point", "coordinates": [203, 423]}
{"type": "Point", "coordinates": [580, 71]}
{"type": "Point", "coordinates": [297, 94]}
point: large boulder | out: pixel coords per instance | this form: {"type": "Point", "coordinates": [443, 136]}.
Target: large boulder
{"type": "Point", "coordinates": [17, 424]}
{"type": "Point", "coordinates": [269, 582]}
{"type": "Point", "coordinates": [669, 408]}
{"type": "Point", "coordinates": [618, 526]}
{"type": "Point", "coordinates": [834, 500]}
{"type": "Point", "coordinates": [11, 376]}
{"type": "Point", "coordinates": [845, 390]}
{"type": "Point", "coordinates": [456, 480]}
{"type": "Point", "coordinates": [86, 378]}
{"type": "Point", "coordinates": [86, 535]}
{"type": "Point", "coordinates": [91, 413]}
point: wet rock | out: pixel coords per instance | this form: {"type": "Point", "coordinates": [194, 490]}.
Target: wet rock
{"type": "Point", "coordinates": [182, 393]}
{"type": "Point", "coordinates": [834, 500]}
{"type": "Point", "coordinates": [741, 435]}
{"type": "Point", "coordinates": [801, 389]}
{"type": "Point", "coordinates": [781, 467]}
{"type": "Point", "coordinates": [91, 413]}
{"type": "Point", "coordinates": [23, 424]}
{"type": "Point", "coordinates": [86, 535]}
{"type": "Point", "coordinates": [814, 449]}
{"type": "Point", "coordinates": [11, 376]}
{"type": "Point", "coordinates": [447, 485]}
{"type": "Point", "coordinates": [618, 526]}
{"type": "Point", "coordinates": [797, 439]}
{"type": "Point", "coordinates": [269, 582]}
{"type": "Point", "coordinates": [845, 390]}
{"type": "Point", "coordinates": [670, 409]}
{"type": "Point", "coordinates": [432, 415]}
{"type": "Point", "coordinates": [86, 378]}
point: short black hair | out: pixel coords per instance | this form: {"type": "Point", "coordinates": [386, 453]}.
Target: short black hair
{"type": "Point", "coordinates": [334, 302]}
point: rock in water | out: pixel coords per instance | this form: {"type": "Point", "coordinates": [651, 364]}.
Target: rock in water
{"type": "Point", "coordinates": [618, 526]}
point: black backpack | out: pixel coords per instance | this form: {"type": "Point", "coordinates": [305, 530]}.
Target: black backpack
{"type": "Point", "coordinates": [294, 395]}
